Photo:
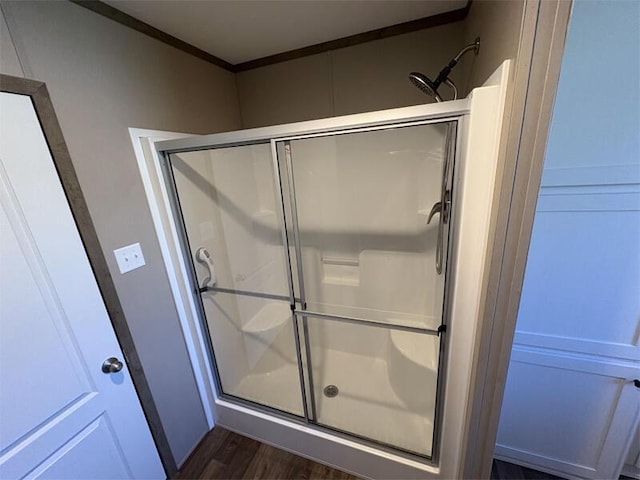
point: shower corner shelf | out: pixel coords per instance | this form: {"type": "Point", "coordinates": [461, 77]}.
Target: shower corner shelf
{"type": "Point", "coordinates": [404, 344]}
{"type": "Point", "coordinates": [269, 318]}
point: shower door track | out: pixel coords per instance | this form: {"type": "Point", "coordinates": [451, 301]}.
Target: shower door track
{"type": "Point", "coordinates": [397, 118]}
{"type": "Point", "coordinates": [281, 414]}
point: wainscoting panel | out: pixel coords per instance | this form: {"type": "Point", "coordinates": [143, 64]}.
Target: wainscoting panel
{"type": "Point", "coordinates": [564, 414]}
{"type": "Point", "coordinates": [570, 406]}
{"type": "Point", "coordinates": [581, 286]}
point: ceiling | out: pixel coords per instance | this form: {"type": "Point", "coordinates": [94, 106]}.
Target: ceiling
{"type": "Point", "coordinates": [243, 30]}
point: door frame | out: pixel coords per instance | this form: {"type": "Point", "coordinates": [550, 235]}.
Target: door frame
{"type": "Point", "coordinates": [522, 151]}
{"type": "Point", "coordinates": [39, 95]}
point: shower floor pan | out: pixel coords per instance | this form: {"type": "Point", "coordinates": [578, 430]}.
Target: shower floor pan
{"type": "Point", "coordinates": [367, 404]}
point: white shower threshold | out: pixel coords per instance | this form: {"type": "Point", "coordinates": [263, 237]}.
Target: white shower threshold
{"type": "Point", "coordinates": [370, 409]}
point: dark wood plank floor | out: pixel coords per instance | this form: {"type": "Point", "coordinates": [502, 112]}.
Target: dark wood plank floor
{"type": "Point", "coordinates": [508, 471]}
{"type": "Point", "coordinates": [226, 455]}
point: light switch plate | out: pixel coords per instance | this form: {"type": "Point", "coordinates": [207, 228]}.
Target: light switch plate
{"type": "Point", "coordinates": [129, 257]}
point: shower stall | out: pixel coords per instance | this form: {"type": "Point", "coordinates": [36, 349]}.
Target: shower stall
{"type": "Point", "coordinates": [321, 257]}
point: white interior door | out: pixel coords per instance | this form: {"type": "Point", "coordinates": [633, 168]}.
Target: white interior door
{"type": "Point", "coordinates": [60, 415]}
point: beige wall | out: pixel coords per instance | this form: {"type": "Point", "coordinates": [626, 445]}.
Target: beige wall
{"type": "Point", "coordinates": [104, 78]}
{"type": "Point", "coordinates": [498, 24]}
{"type": "Point", "coordinates": [9, 62]}
{"type": "Point", "coordinates": [365, 77]}
{"type": "Point", "coordinates": [373, 75]}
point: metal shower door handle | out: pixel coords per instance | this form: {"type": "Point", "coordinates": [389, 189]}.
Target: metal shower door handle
{"type": "Point", "coordinates": [443, 207]}
{"type": "Point", "coordinates": [437, 208]}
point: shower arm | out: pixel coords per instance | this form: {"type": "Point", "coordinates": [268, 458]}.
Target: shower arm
{"type": "Point", "coordinates": [453, 87]}
{"type": "Point", "coordinates": [472, 46]}
{"type": "Point", "coordinates": [443, 76]}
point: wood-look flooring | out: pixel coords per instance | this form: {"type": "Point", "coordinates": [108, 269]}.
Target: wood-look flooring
{"type": "Point", "coordinates": [226, 455]}
{"type": "Point", "coordinates": [508, 471]}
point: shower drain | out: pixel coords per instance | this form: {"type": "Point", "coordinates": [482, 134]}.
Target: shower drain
{"type": "Point", "coordinates": [331, 391]}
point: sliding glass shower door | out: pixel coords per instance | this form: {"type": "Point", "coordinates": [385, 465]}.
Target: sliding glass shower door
{"type": "Point", "coordinates": [319, 262]}
{"type": "Point", "coordinates": [367, 224]}
{"type": "Point", "coordinates": [231, 209]}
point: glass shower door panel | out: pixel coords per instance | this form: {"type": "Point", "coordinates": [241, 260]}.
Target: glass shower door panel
{"type": "Point", "coordinates": [231, 208]}
{"type": "Point", "coordinates": [362, 202]}
{"type": "Point", "coordinates": [374, 382]}
{"type": "Point", "coordinates": [231, 211]}
{"type": "Point", "coordinates": [254, 346]}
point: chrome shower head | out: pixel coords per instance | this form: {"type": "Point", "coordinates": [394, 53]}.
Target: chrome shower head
{"type": "Point", "coordinates": [425, 84]}
{"type": "Point", "coordinates": [430, 87]}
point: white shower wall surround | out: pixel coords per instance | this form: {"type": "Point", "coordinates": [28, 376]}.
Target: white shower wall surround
{"type": "Point", "coordinates": [368, 371]}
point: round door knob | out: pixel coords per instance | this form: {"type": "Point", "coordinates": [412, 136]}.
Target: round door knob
{"type": "Point", "coordinates": [112, 365]}
{"type": "Point", "coordinates": [636, 382]}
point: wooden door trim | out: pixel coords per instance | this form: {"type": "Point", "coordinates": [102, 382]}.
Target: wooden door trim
{"type": "Point", "coordinates": [522, 152]}
{"type": "Point", "coordinates": [101, 8]}
{"type": "Point", "coordinates": [45, 112]}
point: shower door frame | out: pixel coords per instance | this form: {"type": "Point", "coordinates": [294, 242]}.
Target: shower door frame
{"type": "Point", "coordinates": [390, 119]}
